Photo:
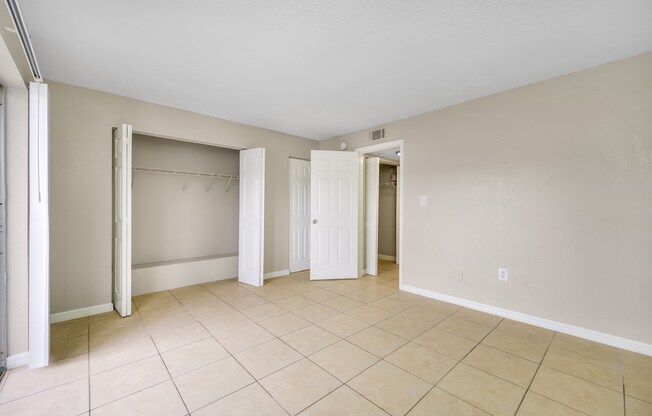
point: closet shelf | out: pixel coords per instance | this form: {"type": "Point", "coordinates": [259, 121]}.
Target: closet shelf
{"type": "Point", "coordinates": [208, 175]}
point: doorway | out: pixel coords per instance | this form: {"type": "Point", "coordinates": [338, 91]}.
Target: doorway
{"type": "Point", "coordinates": [338, 208]}
{"type": "Point", "coordinates": [382, 190]}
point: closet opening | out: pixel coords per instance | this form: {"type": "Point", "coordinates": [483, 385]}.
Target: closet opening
{"type": "Point", "coordinates": [185, 202]}
{"type": "Point", "coordinates": [381, 210]}
{"type": "Point", "coordinates": [184, 213]}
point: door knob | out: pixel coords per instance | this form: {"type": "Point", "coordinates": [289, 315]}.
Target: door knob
{"type": "Point", "coordinates": [315, 221]}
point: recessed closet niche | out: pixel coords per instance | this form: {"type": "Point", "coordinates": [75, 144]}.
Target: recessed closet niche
{"type": "Point", "coordinates": [387, 203]}
{"type": "Point", "coordinates": [184, 213]}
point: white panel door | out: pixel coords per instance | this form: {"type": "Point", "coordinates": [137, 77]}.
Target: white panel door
{"type": "Point", "coordinates": [39, 228]}
{"type": "Point", "coordinates": [122, 219]}
{"type": "Point", "coordinates": [299, 215]}
{"type": "Point", "coordinates": [371, 191]}
{"type": "Point", "coordinates": [334, 212]}
{"type": "Point", "coordinates": [252, 216]}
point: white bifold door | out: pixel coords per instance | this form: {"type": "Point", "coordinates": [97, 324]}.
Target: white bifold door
{"type": "Point", "coordinates": [334, 202]}
{"type": "Point", "coordinates": [122, 219]}
{"type": "Point", "coordinates": [252, 216]}
{"type": "Point", "coordinates": [299, 215]}
{"type": "Point", "coordinates": [371, 191]}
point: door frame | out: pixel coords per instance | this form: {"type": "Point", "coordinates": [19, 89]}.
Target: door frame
{"type": "Point", "coordinates": [375, 148]}
{"type": "Point", "coordinates": [158, 136]}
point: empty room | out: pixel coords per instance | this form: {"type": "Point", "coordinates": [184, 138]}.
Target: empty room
{"type": "Point", "coordinates": [423, 208]}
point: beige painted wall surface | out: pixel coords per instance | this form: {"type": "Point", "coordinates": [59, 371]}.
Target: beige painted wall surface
{"type": "Point", "coordinates": [17, 277]}
{"type": "Point", "coordinates": [80, 182]}
{"type": "Point", "coordinates": [16, 113]}
{"type": "Point", "coordinates": [175, 217]}
{"type": "Point", "coordinates": [552, 181]}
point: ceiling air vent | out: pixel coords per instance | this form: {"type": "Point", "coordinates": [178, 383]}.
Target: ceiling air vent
{"type": "Point", "coordinates": [378, 134]}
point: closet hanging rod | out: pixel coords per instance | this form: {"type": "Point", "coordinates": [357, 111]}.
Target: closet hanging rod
{"type": "Point", "coordinates": [186, 173]}
{"type": "Point", "coordinates": [392, 184]}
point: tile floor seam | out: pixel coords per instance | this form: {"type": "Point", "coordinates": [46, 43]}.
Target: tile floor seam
{"type": "Point", "coordinates": [119, 366]}
{"type": "Point", "coordinates": [509, 353]}
{"type": "Point", "coordinates": [273, 398]}
{"type": "Point", "coordinates": [346, 382]}
{"type": "Point", "coordinates": [44, 390]}
{"type": "Point", "coordinates": [226, 395]}
{"type": "Point", "coordinates": [622, 374]}
{"type": "Point", "coordinates": [88, 363]}
{"type": "Point", "coordinates": [584, 379]}
{"type": "Point", "coordinates": [128, 395]}
{"type": "Point", "coordinates": [170, 374]}
{"type": "Point", "coordinates": [304, 409]}
{"type": "Point", "coordinates": [535, 375]}
{"type": "Point", "coordinates": [449, 371]}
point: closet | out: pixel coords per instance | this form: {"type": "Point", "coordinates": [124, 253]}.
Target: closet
{"type": "Point", "coordinates": [381, 209]}
{"type": "Point", "coordinates": [185, 201]}
{"type": "Point", "coordinates": [387, 212]}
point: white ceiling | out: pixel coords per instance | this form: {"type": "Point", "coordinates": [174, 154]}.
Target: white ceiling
{"type": "Point", "coordinates": [320, 68]}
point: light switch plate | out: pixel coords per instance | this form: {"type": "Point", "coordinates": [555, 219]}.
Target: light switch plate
{"type": "Point", "coordinates": [423, 201]}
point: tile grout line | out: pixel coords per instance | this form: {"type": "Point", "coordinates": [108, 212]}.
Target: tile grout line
{"type": "Point", "coordinates": [535, 373]}
{"type": "Point", "coordinates": [622, 363]}
{"type": "Point", "coordinates": [449, 371]}
{"type": "Point", "coordinates": [160, 356]}
{"type": "Point", "coordinates": [88, 332]}
{"type": "Point", "coordinates": [256, 381]}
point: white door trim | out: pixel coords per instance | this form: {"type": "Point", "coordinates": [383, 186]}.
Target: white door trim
{"type": "Point", "coordinates": [384, 146]}
{"type": "Point", "coordinates": [39, 228]}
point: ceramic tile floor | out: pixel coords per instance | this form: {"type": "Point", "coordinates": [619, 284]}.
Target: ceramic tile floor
{"type": "Point", "coordinates": [321, 348]}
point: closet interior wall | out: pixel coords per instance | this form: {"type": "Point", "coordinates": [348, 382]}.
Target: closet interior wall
{"type": "Point", "coordinates": [387, 211]}
{"type": "Point", "coordinates": [176, 218]}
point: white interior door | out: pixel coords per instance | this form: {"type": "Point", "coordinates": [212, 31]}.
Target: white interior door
{"type": "Point", "coordinates": [252, 216]}
{"type": "Point", "coordinates": [39, 227]}
{"type": "Point", "coordinates": [334, 212]}
{"type": "Point", "coordinates": [122, 219]}
{"type": "Point", "coordinates": [371, 191]}
{"type": "Point", "coordinates": [299, 215]}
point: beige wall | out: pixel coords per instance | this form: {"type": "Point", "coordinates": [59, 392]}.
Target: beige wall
{"type": "Point", "coordinates": [16, 112]}
{"type": "Point", "coordinates": [16, 142]}
{"type": "Point", "coordinates": [175, 217]}
{"type": "Point", "coordinates": [552, 181]}
{"type": "Point", "coordinates": [80, 182]}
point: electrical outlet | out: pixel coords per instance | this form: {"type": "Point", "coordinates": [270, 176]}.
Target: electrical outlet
{"type": "Point", "coordinates": [503, 274]}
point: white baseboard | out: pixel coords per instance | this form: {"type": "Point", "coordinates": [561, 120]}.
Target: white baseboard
{"type": "Point", "coordinates": [613, 340]}
{"type": "Point", "coordinates": [18, 360]}
{"type": "Point", "coordinates": [80, 313]}
{"type": "Point", "coordinates": [386, 258]}
{"type": "Point", "coordinates": [277, 273]}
